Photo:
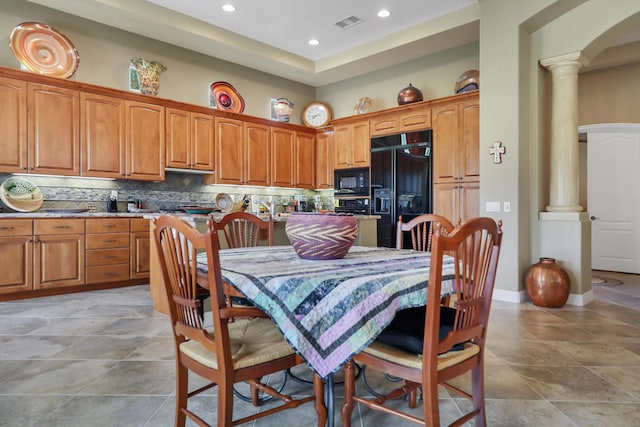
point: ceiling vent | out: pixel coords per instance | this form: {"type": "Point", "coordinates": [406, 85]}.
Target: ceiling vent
{"type": "Point", "coordinates": [348, 22]}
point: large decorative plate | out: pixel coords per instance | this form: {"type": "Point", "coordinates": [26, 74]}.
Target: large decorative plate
{"type": "Point", "coordinates": [21, 195]}
{"type": "Point", "coordinates": [362, 106]}
{"type": "Point", "coordinates": [225, 97]}
{"type": "Point", "coordinates": [224, 202]}
{"type": "Point", "coordinates": [44, 50]}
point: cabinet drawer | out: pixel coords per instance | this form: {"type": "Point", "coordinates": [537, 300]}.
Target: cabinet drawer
{"type": "Point", "coordinates": [107, 273]}
{"type": "Point", "coordinates": [16, 227]}
{"type": "Point", "coordinates": [416, 120]}
{"type": "Point", "coordinates": [58, 226]}
{"type": "Point", "coordinates": [139, 224]}
{"type": "Point", "coordinates": [384, 125]}
{"type": "Point", "coordinates": [107, 241]}
{"type": "Point", "coordinates": [107, 256]}
{"type": "Point", "coordinates": [108, 225]}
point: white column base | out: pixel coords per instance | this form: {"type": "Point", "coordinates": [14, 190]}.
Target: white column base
{"type": "Point", "coordinates": [566, 236]}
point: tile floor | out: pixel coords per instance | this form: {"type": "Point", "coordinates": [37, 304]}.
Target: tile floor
{"type": "Point", "coordinates": [105, 358]}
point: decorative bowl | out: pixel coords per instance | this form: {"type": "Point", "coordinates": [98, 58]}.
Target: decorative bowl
{"type": "Point", "coordinates": [321, 236]}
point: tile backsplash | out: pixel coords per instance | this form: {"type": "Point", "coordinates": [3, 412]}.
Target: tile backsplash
{"type": "Point", "coordinates": [178, 189]}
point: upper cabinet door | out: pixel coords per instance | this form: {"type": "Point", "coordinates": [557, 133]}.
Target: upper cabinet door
{"type": "Point", "coordinates": [324, 159]}
{"type": "Point", "coordinates": [13, 125]}
{"type": "Point", "coordinates": [257, 154]}
{"type": "Point", "coordinates": [178, 138]}
{"type": "Point", "coordinates": [229, 151]}
{"type": "Point", "coordinates": [282, 141]}
{"type": "Point", "coordinates": [145, 141]}
{"type": "Point", "coordinates": [202, 149]}
{"type": "Point", "coordinates": [53, 130]}
{"type": "Point", "coordinates": [305, 160]}
{"type": "Point", "coordinates": [352, 145]}
{"type": "Point", "coordinates": [445, 143]}
{"type": "Point", "coordinates": [470, 140]}
{"type": "Point", "coordinates": [189, 140]}
{"type": "Point", "coordinates": [102, 130]}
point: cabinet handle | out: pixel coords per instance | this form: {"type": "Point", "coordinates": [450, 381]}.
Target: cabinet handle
{"type": "Point", "coordinates": [60, 226]}
{"type": "Point", "coordinates": [6, 228]}
{"type": "Point", "coordinates": [37, 240]}
{"type": "Point", "coordinates": [24, 168]}
{"type": "Point", "coordinates": [110, 274]}
{"type": "Point", "coordinates": [108, 225]}
{"type": "Point", "coordinates": [108, 241]}
{"type": "Point", "coordinates": [108, 256]}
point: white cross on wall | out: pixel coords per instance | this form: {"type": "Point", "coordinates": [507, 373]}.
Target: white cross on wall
{"type": "Point", "coordinates": [497, 150]}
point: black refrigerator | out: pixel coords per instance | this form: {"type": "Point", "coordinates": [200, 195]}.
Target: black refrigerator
{"type": "Point", "coordinates": [401, 181]}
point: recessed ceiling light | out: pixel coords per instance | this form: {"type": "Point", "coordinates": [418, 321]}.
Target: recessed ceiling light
{"type": "Point", "coordinates": [228, 7]}
{"type": "Point", "coordinates": [384, 13]}
{"type": "Point", "coordinates": [314, 42]}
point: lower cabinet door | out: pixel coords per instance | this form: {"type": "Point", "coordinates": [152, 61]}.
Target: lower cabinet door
{"type": "Point", "coordinates": [59, 261]}
{"type": "Point", "coordinates": [16, 264]}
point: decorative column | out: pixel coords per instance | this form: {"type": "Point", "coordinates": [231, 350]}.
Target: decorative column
{"type": "Point", "coordinates": [563, 194]}
{"type": "Point", "coordinates": [565, 231]}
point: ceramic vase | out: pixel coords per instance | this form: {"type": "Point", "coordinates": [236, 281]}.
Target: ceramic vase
{"type": "Point", "coordinates": [148, 75]}
{"type": "Point", "coordinates": [548, 285]}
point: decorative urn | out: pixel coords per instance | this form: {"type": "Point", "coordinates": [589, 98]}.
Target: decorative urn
{"type": "Point", "coordinates": [148, 75]}
{"type": "Point", "coordinates": [321, 236]}
{"type": "Point", "coordinates": [548, 285]}
{"type": "Point", "coordinates": [409, 95]}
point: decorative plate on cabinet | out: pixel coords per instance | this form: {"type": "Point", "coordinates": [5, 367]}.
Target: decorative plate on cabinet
{"type": "Point", "coordinates": [44, 50]}
{"type": "Point", "coordinates": [21, 195]}
{"type": "Point", "coordinates": [225, 97]}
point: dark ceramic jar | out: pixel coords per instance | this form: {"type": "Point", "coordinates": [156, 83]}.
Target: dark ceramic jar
{"type": "Point", "coordinates": [548, 285]}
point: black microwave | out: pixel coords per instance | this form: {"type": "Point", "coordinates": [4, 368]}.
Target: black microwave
{"type": "Point", "coordinates": [351, 182]}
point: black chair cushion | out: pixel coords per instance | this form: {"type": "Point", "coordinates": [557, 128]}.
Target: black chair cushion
{"type": "Point", "coordinates": [406, 330]}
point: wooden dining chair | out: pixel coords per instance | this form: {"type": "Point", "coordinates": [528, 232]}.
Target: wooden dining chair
{"type": "Point", "coordinates": [453, 342]}
{"type": "Point", "coordinates": [242, 229]}
{"type": "Point", "coordinates": [421, 230]}
{"type": "Point", "coordinates": [226, 353]}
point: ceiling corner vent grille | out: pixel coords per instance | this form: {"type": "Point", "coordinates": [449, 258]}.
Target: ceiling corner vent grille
{"type": "Point", "coordinates": [348, 22]}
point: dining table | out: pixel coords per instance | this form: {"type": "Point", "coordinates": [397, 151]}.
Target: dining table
{"type": "Point", "coordinates": [329, 310]}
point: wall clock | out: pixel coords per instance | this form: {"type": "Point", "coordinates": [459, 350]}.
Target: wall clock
{"type": "Point", "coordinates": [316, 114]}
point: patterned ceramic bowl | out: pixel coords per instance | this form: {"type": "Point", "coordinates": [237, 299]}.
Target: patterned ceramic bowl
{"type": "Point", "coordinates": [321, 236]}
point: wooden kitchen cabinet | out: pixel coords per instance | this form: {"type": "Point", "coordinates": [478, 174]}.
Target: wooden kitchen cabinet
{"type": "Point", "coordinates": [457, 201]}
{"type": "Point", "coordinates": [13, 125]}
{"type": "Point", "coordinates": [293, 155]}
{"type": "Point", "coordinates": [53, 131]}
{"type": "Point", "coordinates": [59, 253]}
{"type": "Point", "coordinates": [352, 145]}
{"type": "Point", "coordinates": [16, 255]}
{"type": "Point", "coordinates": [243, 152]}
{"type": "Point", "coordinates": [410, 118]}
{"type": "Point", "coordinates": [145, 153]}
{"type": "Point", "coordinates": [456, 146]}
{"type": "Point", "coordinates": [139, 248]}
{"type": "Point", "coordinates": [305, 160]}
{"type": "Point", "coordinates": [324, 159]}
{"type": "Point", "coordinates": [107, 255]}
{"type": "Point", "coordinates": [456, 159]}
{"type": "Point", "coordinates": [189, 139]}
{"type": "Point", "coordinates": [102, 136]}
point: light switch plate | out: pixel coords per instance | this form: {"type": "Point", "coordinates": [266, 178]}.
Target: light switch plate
{"type": "Point", "coordinates": [492, 207]}
{"type": "Point", "coordinates": [506, 206]}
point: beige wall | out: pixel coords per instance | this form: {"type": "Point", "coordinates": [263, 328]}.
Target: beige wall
{"type": "Point", "coordinates": [105, 53]}
{"type": "Point", "coordinates": [435, 75]}
{"type": "Point", "coordinates": [610, 95]}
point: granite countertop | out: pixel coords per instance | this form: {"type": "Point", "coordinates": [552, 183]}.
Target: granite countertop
{"type": "Point", "coordinates": [146, 215]}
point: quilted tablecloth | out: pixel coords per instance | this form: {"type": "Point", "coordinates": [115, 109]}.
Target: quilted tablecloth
{"type": "Point", "coordinates": [330, 310]}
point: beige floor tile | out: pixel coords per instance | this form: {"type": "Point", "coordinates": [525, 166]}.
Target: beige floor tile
{"type": "Point", "coordinates": [105, 358]}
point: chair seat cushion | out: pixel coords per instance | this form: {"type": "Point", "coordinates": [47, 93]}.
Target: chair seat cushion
{"type": "Point", "coordinates": [406, 330]}
{"type": "Point", "coordinates": [253, 341]}
{"type": "Point", "coordinates": [414, 361]}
